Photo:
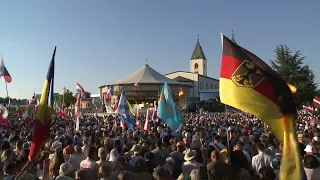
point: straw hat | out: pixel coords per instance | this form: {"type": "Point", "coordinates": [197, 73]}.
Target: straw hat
{"type": "Point", "coordinates": [301, 137]}
{"type": "Point", "coordinates": [189, 155]}
{"type": "Point", "coordinates": [136, 149]}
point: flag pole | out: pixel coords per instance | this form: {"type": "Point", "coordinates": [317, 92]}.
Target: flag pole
{"type": "Point", "coordinates": [7, 94]}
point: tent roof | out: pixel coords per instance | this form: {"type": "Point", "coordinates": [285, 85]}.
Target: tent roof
{"type": "Point", "coordinates": [147, 75]}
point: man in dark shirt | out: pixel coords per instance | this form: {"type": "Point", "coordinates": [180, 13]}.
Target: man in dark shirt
{"type": "Point", "coordinates": [237, 157]}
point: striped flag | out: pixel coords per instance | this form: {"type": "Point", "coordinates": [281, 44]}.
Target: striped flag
{"type": "Point", "coordinates": [316, 101]}
{"type": "Point", "coordinates": [4, 72]}
{"type": "Point", "coordinates": [41, 130]}
{"type": "Point", "coordinates": [77, 112]}
{"type": "Point", "coordinates": [80, 90]}
{"type": "Point", "coordinates": [123, 109]}
{"type": "Point", "coordinates": [146, 126]}
{"type": "Point", "coordinates": [308, 109]}
{"type": "Point", "coordinates": [249, 84]}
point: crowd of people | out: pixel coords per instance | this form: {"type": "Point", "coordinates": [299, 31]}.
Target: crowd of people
{"type": "Point", "coordinates": [210, 146]}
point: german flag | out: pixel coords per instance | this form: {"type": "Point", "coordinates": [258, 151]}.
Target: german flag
{"type": "Point", "coordinates": [41, 130]}
{"type": "Point", "coordinates": [249, 84]}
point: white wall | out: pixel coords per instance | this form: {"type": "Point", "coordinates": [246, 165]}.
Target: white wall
{"type": "Point", "coordinates": [202, 66]}
{"type": "Point", "coordinates": [208, 85]}
{"type": "Point", "coordinates": [191, 76]}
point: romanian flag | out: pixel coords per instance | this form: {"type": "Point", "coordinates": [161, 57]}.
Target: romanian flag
{"type": "Point", "coordinates": [41, 130]}
{"type": "Point", "coordinates": [249, 84]}
{"type": "Point", "coordinates": [181, 93]}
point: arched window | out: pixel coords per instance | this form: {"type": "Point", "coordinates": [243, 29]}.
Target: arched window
{"type": "Point", "coordinates": [204, 65]}
{"type": "Point", "coordinates": [196, 66]}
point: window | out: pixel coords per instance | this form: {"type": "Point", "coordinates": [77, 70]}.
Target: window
{"type": "Point", "coordinates": [211, 86]}
{"type": "Point", "coordinates": [204, 65]}
{"type": "Point", "coordinates": [216, 87]}
{"type": "Point", "coordinates": [207, 87]}
{"type": "Point", "coordinates": [196, 66]}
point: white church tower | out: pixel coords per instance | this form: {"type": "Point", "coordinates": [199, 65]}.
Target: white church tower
{"type": "Point", "coordinates": [198, 61]}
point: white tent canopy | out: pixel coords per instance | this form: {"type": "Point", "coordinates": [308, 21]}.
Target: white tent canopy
{"type": "Point", "coordinates": [147, 75]}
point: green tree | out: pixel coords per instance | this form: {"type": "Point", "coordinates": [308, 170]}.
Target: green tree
{"type": "Point", "coordinates": [292, 69]}
{"type": "Point", "coordinates": [69, 99]}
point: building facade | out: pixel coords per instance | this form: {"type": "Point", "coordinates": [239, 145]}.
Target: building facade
{"type": "Point", "coordinates": [204, 87]}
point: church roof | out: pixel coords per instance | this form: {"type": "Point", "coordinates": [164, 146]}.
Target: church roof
{"type": "Point", "coordinates": [147, 75]}
{"type": "Point", "coordinates": [233, 39]}
{"type": "Point", "coordinates": [198, 52]}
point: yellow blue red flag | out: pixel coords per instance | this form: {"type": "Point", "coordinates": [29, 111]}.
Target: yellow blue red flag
{"type": "Point", "coordinates": [41, 130]}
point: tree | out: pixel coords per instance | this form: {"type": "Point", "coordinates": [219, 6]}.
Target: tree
{"type": "Point", "coordinates": [292, 69]}
{"type": "Point", "coordinates": [69, 99]}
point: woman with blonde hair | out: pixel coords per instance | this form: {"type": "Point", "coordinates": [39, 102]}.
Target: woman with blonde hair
{"type": "Point", "coordinates": [54, 166]}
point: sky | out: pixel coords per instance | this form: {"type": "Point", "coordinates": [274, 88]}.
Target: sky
{"type": "Point", "coordinates": [99, 42]}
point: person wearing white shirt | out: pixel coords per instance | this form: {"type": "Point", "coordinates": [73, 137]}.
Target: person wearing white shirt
{"type": "Point", "coordinates": [261, 159]}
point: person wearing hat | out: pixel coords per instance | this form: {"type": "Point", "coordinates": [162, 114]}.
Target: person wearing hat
{"type": "Point", "coordinates": [136, 149]}
{"type": "Point", "coordinates": [191, 163]}
{"type": "Point", "coordinates": [301, 144]}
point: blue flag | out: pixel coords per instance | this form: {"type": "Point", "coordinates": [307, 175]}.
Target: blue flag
{"type": "Point", "coordinates": [124, 110]}
{"type": "Point", "coordinates": [167, 110]}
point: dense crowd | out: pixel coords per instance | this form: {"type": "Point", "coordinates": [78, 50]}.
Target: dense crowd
{"type": "Point", "coordinates": [213, 146]}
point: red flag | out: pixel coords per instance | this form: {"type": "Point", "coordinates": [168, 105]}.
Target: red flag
{"type": "Point", "coordinates": [308, 109]}
{"type": "Point", "coordinates": [316, 101]}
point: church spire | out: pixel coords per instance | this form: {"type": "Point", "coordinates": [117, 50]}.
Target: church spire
{"type": "Point", "coordinates": [233, 39]}
{"type": "Point", "coordinates": [198, 52]}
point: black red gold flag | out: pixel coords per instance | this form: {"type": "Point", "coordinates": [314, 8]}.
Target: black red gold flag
{"type": "Point", "coordinates": [249, 84]}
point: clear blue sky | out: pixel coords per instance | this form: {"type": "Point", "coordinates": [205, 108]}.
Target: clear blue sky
{"type": "Point", "coordinates": [101, 41]}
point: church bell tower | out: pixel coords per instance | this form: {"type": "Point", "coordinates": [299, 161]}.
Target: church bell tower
{"type": "Point", "coordinates": [198, 61]}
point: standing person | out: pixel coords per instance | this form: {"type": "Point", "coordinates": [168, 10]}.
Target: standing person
{"type": "Point", "coordinates": [217, 169]}
{"type": "Point", "coordinates": [158, 152]}
{"type": "Point", "coordinates": [261, 159]}
{"type": "Point", "coordinates": [238, 158]}
{"type": "Point", "coordinates": [90, 163]}
{"type": "Point", "coordinates": [301, 144]}
{"type": "Point", "coordinates": [102, 154]}
{"type": "Point", "coordinates": [76, 158]}
{"type": "Point", "coordinates": [69, 148]}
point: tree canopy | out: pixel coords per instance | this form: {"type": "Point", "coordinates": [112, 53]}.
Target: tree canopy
{"type": "Point", "coordinates": [69, 99]}
{"type": "Point", "coordinates": [291, 67]}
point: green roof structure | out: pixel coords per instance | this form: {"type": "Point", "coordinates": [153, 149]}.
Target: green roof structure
{"type": "Point", "coordinates": [198, 52]}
